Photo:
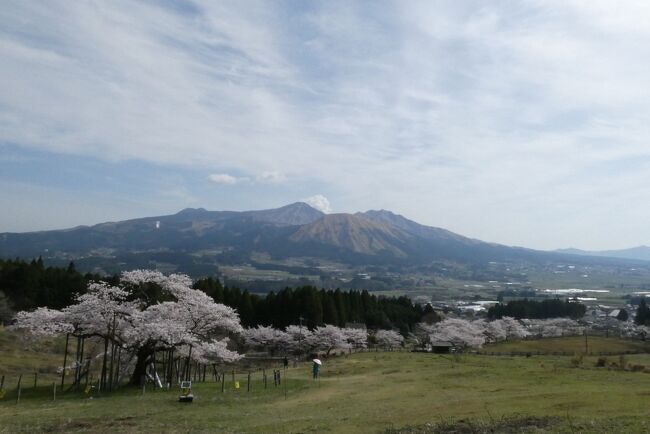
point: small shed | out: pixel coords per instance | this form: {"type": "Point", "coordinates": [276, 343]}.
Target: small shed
{"type": "Point", "coordinates": [442, 347]}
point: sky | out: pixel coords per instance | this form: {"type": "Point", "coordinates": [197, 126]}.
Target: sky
{"type": "Point", "coordinates": [519, 122]}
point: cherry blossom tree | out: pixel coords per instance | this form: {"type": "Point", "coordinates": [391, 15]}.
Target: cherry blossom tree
{"type": "Point", "coordinates": [147, 312]}
{"type": "Point", "coordinates": [266, 339]}
{"type": "Point", "coordinates": [553, 327]}
{"type": "Point", "coordinates": [388, 339]}
{"type": "Point", "coordinates": [494, 331]}
{"type": "Point", "coordinates": [327, 338]}
{"type": "Point", "coordinates": [503, 329]}
{"type": "Point", "coordinates": [459, 331]}
{"type": "Point", "coordinates": [298, 338]}
{"type": "Point", "coordinates": [356, 338]}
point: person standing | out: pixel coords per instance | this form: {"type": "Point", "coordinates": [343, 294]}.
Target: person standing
{"type": "Point", "coordinates": [315, 369]}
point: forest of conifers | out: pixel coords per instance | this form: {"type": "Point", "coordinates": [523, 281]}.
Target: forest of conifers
{"type": "Point", "coordinates": [27, 285]}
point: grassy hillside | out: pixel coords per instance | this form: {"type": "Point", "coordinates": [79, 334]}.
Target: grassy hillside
{"type": "Point", "coordinates": [20, 355]}
{"type": "Point", "coordinates": [369, 392]}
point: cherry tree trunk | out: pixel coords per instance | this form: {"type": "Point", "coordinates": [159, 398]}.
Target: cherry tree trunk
{"type": "Point", "coordinates": [140, 371]}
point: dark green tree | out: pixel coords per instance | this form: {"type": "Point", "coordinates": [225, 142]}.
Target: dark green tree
{"type": "Point", "coordinates": [642, 313]}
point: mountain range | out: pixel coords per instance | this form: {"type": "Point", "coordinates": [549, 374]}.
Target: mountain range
{"type": "Point", "coordinates": [197, 236]}
{"type": "Point", "coordinates": [638, 253]}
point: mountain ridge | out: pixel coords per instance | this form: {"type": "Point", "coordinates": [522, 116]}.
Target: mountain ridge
{"type": "Point", "coordinates": [641, 252]}
{"type": "Point", "coordinates": [297, 230]}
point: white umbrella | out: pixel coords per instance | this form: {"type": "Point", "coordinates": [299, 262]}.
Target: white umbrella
{"type": "Point", "coordinates": [318, 362]}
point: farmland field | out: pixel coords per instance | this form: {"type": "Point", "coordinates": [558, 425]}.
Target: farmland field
{"type": "Point", "coordinates": [367, 392]}
{"type": "Point", "coordinates": [571, 344]}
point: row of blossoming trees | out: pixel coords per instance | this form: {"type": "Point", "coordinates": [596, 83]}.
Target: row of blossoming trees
{"type": "Point", "coordinates": [150, 315]}
{"type": "Point", "coordinates": [300, 340]}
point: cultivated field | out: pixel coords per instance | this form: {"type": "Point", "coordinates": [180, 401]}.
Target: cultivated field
{"type": "Point", "coordinates": [571, 344]}
{"type": "Point", "coordinates": [368, 392]}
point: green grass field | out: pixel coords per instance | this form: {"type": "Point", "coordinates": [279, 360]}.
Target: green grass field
{"type": "Point", "coordinates": [368, 392]}
{"type": "Point", "coordinates": [570, 344]}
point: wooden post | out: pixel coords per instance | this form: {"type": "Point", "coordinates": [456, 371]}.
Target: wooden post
{"type": "Point", "coordinates": [170, 377]}
{"type": "Point", "coordinates": [117, 371]}
{"type": "Point", "coordinates": [248, 382]}
{"type": "Point", "coordinates": [20, 378]}
{"type": "Point", "coordinates": [80, 358]}
{"type": "Point", "coordinates": [104, 363]}
{"type": "Point", "coordinates": [111, 371]}
{"type": "Point", "coordinates": [264, 377]}
{"type": "Point", "coordinates": [233, 375]}
{"type": "Point", "coordinates": [76, 360]}
{"type": "Point", "coordinates": [285, 384]}
{"type": "Point", "coordinates": [163, 371]}
{"type": "Point", "coordinates": [110, 375]}
{"type": "Point", "coordinates": [35, 379]}
{"type": "Point", "coordinates": [65, 359]}
{"type": "Point", "coordinates": [87, 373]}
{"type": "Point", "coordinates": [53, 391]}
{"type": "Point", "coordinates": [2, 382]}
{"type": "Point", "coordinates": [223, 383]}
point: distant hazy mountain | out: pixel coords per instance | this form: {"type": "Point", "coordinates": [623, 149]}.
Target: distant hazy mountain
{"type": "Point", "coordinates": [198, 240]}
{"type": "Point", "coordinates": [640, 253]}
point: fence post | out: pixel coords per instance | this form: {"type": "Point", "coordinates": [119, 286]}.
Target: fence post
{"type": "Point", "coordinates": [285, 383]}
{"type": "Point", "coordinates": [65, 359]}
{"type": "Point", "coordinates": [248, 382]}
{"type": "Point", "coordinates": [35, 379]}
{"type": "Point", "coordinates": [20, 378]}
{"type": "Point", "coordinates": [53, 391]}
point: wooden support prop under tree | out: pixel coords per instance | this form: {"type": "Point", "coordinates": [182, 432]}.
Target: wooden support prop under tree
{"type": "Point", "coordinates": [65, 359]}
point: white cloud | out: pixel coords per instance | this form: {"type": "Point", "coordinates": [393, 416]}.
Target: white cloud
{"type": "Point", "coordinates": [224, 179]}
{"type": "Point", "coordinates": [319, 202]}
{"type": "Point", "coordinates": [270, 177]}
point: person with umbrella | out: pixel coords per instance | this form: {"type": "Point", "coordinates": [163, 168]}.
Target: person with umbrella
{"type": "Point", "coordinates": [315, 370]}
